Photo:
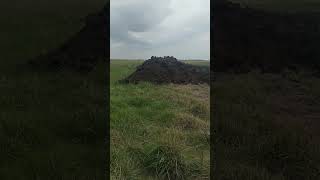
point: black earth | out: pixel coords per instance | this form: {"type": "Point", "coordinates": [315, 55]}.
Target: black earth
{"type": "Point", "coordinates": [160, 70]}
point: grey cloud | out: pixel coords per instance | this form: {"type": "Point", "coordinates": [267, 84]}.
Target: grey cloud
{"type": "Point", "coordinates": [136, 17]}
{"type": "Point", "coordinates": [141, 28]}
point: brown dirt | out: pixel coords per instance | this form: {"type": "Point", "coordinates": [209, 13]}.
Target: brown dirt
{"type": "Point", "coordinates": [161, 70]}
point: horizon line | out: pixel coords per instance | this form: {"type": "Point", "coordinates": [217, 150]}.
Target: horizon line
{"type": "Point", "coordinates": [149, 58]}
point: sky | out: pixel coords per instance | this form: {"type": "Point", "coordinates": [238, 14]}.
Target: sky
{"type": "Point", "coordinates": [144, 28]}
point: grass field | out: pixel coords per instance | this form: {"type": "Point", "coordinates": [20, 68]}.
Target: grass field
{"type": "Point", "coordinates": [52, 125]}
{"type": "Point", "coordinates": [158, 131]}
{"type": "Point", "coordinates": [267, 126]}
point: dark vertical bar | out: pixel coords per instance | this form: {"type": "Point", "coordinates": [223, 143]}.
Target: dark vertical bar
{"type": "Point", "coordinates": [265, 90]}
{"type": "Point", "coordinates": [54, 86]}
{"type": "Point", "coordinates": [107, 38]}
{"type": "Point", "coordinates": [213, 147]}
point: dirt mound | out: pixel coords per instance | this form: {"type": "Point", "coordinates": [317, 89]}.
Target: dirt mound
{"type": "Point", "coordinates": [169, 70]}
{"type": "Point", "coordinates": [82, 51]}
{"type": "Point", "coordinates": [245, 38]}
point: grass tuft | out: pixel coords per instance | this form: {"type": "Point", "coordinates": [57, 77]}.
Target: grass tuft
{"type": "Point", "coordinates": [163, 161]}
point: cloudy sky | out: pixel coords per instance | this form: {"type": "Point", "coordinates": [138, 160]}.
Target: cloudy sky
{"type": "Point", "coordinates": [144, 28]}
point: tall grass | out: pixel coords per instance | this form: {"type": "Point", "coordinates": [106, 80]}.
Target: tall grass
{"type": "Point", "coordinates": [256, 137]}
{"type": "Point", "coordinates": [158, 131]}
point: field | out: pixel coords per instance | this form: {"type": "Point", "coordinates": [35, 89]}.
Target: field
{"type": "Point", "coordinates": [158, 131]}
{"type": "Point", "coordinates": [267, 126]}
{"type": "Point", "coordinates": [52, 125]}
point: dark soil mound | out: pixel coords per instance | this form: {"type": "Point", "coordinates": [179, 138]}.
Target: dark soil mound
{"type": "Point", "coordinates": [245, 38]}
{"type": "Point", "coordinates": [169, 70]}
{"type": "Point", "coordinates": [82, 51]}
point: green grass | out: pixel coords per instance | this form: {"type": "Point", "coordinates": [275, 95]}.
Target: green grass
{"type": "Point", "coordinates": [52, 125]}
{"type": "Point", "coordinates": [267, 126]}
{"type": "Point", "coordinates": [158, 131]}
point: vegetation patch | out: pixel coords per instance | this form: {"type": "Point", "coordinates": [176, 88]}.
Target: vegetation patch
{"type": "Point", "coordinates": [264, 129]}
{"type": "Point", "coordinates": [155, 134]}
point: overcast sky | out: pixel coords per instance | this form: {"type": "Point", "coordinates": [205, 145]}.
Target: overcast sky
{"type": "Point", "coordinates": [144, 28]}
